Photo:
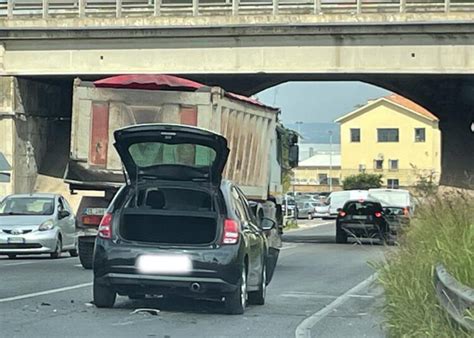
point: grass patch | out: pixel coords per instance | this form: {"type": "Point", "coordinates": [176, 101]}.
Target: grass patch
{"type": "Point", "coordinates": [442, 232]}
{"type": "Point", "coordinates": [291, 224]}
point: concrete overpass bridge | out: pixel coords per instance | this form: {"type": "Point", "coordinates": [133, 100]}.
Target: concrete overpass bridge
{"type": "Point", "coordinates": [422, 50]}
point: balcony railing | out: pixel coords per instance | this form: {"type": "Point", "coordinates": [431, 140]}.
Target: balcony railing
{"type": "Point", "coordinates": [406, 177]}
{"type": "Point", "coordinates": [27, 9]}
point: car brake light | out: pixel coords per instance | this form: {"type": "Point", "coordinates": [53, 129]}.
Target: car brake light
{"type": "Point", "coordinates": [378, 214]}
{"type": "Point", "coordinates": [342, 213]}
{"type": "Point", "coordinates": [405, 211]}
{"type": "Point", "coordinates": [231, 232]}
{"type": "Point", "coordinates": [105, 227]}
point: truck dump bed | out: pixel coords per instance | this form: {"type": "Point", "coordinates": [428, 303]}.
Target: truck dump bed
{"type": "Point", "coordinates": [97, 111]}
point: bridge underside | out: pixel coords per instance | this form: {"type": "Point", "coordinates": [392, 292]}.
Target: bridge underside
{"type": "Point", "coordinates": [432, 64]}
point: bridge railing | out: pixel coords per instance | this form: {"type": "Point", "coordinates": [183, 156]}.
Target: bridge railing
{"type": "Point", "coordinates": [140, 8]}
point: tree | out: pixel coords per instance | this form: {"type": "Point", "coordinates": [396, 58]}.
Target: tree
{"type": "Point", "coordinates": [362, 181]}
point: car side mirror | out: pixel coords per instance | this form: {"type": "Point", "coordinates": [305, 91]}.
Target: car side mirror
{"type": "Point", "coordinates": [293, 156]}
{"type": "Point", "coordinates": [63, 214]}
{"type": "Point", "coordinates": [267, 224]}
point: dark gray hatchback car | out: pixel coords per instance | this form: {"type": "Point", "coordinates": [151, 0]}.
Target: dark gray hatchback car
{"type": "Point", "coordinates": [176, 227]}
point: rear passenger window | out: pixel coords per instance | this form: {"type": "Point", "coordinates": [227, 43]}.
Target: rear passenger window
{"type": "Point", "coordinates": [362, 208]}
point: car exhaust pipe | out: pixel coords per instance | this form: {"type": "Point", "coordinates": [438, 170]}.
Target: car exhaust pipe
{"type": "Point", "coordinates": [195, 287]}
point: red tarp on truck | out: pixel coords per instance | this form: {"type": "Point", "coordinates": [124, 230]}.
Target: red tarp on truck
{"type": "Point", "coordinates": [165, 82]}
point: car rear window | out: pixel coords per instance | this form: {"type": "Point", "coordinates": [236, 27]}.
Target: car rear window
{"type": "Point", "coordinates": [362, 208]}
{"type": "Point", "coordinates": [148, 154]}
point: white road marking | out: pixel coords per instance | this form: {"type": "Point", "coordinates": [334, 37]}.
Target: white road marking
{"type": "Point", "coordinates": [21, 263]}
{"type": "Point", "coordinates": [361, 296]}
{"type": "Point", "coordinates": [307, 295]}
{"type": "Point", "coordinates": [35, 262]}
{"type": "Point", "coordinates": [42, 293]}
{"type": "Point", "coordinates": [308, 227]}
{"type": "Point", "coordinates": [304, 329]}
{"type": "Point", "coordinates": [289, 247]}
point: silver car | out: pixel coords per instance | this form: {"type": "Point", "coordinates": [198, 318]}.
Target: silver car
{"type": "Point", "coordinates": [37, 224]}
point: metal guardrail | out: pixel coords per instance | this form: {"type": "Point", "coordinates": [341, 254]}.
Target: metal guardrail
{"type": "Point", "coordinates": [456, 298]}
{"type": "Point", "coordinates": [13, 9]}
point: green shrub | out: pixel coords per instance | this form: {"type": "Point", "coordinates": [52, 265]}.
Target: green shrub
{"type": "Point", "coordinates": [362, 181]}
{"type": "Point", "coordinates": [442, 232]}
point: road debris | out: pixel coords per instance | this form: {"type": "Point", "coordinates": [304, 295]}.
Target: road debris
{"type": "Point", "coordinates": [45, 304]}
{"type": "Point", "coordinates": [153, 312]}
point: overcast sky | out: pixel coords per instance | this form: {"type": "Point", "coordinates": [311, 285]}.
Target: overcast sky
{"type": "Point", "coordinates": [318, 101]}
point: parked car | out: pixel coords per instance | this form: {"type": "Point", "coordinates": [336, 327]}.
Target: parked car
{"type": "Point", "coordinates": [177, 227]}
{"type": "Point", "coordinates": [304, 209]}
{"type": "Point", "coordinates": [398, 198]}
{"type": "Point", "coordinates": [36, 224]}
{"type": "Point", "coordinates": [291, 205]}
{"type": "Point", "coordinates": [321, 210]}
{"type": "Point", "coordinates": [362, 218]}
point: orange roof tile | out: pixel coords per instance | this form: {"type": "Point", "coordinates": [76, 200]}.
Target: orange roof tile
{"type": "Point", "coordinates": [403, 101]}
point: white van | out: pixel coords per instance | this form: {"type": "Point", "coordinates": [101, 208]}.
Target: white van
{"type": "Point", "coordinates": [394, 198]}
{"type": "Point", "coordinates": [337, 199]}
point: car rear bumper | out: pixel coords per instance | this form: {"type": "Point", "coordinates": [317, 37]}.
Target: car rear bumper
{"type": "Point", "coordinates": [161, 284]}
{"type": "Point", "coordinates": [216, 271]}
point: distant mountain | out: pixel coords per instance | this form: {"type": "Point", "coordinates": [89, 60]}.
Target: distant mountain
{"type": "Point", "coordinates": [317, 132]}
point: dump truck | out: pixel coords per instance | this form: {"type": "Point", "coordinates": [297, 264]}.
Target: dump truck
{"type": "Point", "coordinates": [256, 139]}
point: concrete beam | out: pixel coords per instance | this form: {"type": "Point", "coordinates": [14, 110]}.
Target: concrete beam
{"type": "Point", "coordinates": [280, 53]}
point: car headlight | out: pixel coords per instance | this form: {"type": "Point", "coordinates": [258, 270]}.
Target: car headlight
{"type": "Point", "coordinates": [48, 225]}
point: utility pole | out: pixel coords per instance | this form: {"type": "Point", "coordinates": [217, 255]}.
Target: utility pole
{"type": "Point", "coordinates": [330, 160]}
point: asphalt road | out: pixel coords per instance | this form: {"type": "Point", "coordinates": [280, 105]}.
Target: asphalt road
{"type": "Point", "coordinates": [308, 296]}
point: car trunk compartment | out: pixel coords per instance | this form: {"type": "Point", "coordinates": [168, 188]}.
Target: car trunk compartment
{"type": "Point", "coordinates": [168, 227]}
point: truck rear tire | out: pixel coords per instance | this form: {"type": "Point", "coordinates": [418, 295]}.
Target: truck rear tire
{"type": "Point", "coordinates": [86, 252]}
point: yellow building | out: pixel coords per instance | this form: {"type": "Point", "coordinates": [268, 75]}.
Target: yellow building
{"type": "Point", "coordinates": [392, 136]}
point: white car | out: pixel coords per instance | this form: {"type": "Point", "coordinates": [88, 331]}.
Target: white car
{"type": "Point", "coordinates": [37, 224]}
{"type": "Point", "coordinates": [337, 199]}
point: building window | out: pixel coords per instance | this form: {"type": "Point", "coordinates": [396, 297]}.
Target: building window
{"type": "Point", "coordinates": [362, 168]}
{"type": "Point", "coordinates": [323, 178]}
{"type": "Point", "coordinates": [393, 164]}
{"type": "Point", "coordinates": [378, 164]}
{"type": "Point", "coordinates": [355, 135]}
{"type": "Point", "coordinates": [387, 135]}
{"type": "Point", "coordinates": [393, 183]}
{"type": "Point", "coordinates": [420, 135]}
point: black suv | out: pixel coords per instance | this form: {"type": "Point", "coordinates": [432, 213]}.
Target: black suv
{"type": "Point", "coordinates": [177, 227]}
{"type": "Point", "coordinates": [361, 218]}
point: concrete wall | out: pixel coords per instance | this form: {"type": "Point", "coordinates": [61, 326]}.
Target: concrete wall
{"type": "Point", "coordinates": [38, 107]}
{"type": "Point", "coordinates": [6, 128]}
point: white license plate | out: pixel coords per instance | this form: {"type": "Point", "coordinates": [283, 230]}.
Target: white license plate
{"type": "Point", "coordinates": [16, 240]}
{"type": "Point", "coordinates": [359, 217]}
{"type": "Point", "coordinates": [164, 264]}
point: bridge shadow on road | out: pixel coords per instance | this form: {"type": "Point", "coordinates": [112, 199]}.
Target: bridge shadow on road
{"type": "Point", "coordinates": [328, 239]}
